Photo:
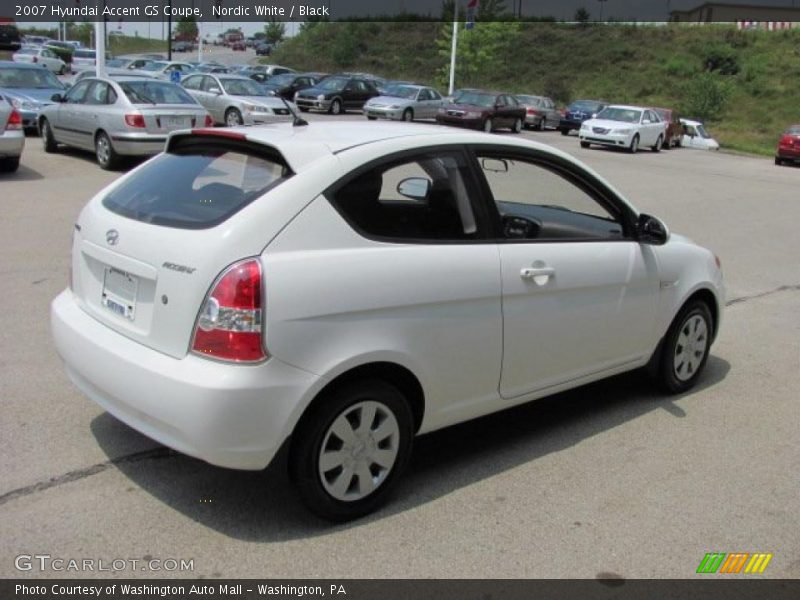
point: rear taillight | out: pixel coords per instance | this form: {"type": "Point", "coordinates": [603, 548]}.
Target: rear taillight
{"type": "Point", "coordinates": [135, 120]}
{"type": "Point", "coordinates": [533, 111]}
{"type": "Point", "coordinates": [229, 324]}
{"type": "Point", "coordinates": [14, 120]}
{"type": "Point", "coordinates": [209, 122]}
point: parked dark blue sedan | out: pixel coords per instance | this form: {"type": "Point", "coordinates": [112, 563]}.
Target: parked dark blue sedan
{"type": "Point", "coordinates": [577, 113]}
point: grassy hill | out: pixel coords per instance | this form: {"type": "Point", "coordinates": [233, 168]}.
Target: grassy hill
{"type": "Point", "coordinates": [745, 85]}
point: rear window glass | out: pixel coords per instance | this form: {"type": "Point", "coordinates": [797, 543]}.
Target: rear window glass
{"type": "Point", "coordinates": [197, 187]}
{"type": "Point", "coordinates": [155, 92]}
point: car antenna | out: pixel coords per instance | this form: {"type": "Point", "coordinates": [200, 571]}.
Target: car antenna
{"type": "Point", "coordinates": [297, 122]}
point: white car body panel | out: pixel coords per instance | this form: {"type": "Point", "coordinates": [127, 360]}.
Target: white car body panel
{"type": "Point", "coordinates": [457, 315]}
{"type": "Point", "coordinates": [697, 141]}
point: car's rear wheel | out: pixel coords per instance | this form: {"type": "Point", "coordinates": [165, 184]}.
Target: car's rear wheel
{"type": "Point", "coordinates": [302, 109]}
{"type": "Point", "coordinates": [336, 107]}
{"type": "Point", "coordinates": [233, 118]}
{"type": "Point", "coordinates": [686, 348]}
{"type": "Point", "coordinates": [659, 144]}
{"type": "Point", "coordinates": [488, 125]}
{"type": "Point", "coordinates": [517, 127]}
{"type": "Point", "coordinates": [408, 115]}
{"type": "Point", "coordinates": [540, 125]}
{"type": "Point", "coordinates": [48, 141]}
{"type": "Point", "coordinates": [372, 118]}
{"type": "Point", "coordinates": [9, 164]}
{"type": "Point", "coordinates": [585, 144]}
{"type": "Point", "coordinates": [778, 161]}
{"type": "Point", "coordinates": [565, 132]}
{"type": "Point", "coordinates": [349, 451]}
{"type": "Point", "coordinates": [107, 157]}
{"type": "Point", "coordinates": [634, 147]}
{"type": "Point", "coordinates": [666, 144]}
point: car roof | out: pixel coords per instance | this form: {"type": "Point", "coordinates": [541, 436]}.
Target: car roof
{"type": "Point", "coordinates": [303, 145]}
{"type": "Point", "coordinates": [16, 65]}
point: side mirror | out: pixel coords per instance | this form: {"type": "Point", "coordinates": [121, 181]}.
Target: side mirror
{"type": "Point", "coordinates": [494, 165]}
{"type": "Point", "coordinates": [650, 230]}
{"type": "Point", "coordinates": [57, 98]}
{"type": "Point", "coordinates": [645, 121]}
{"type": "Point", "coordinates": [415, 188]}
{"type": "Point", "coordinates": [215, 90]}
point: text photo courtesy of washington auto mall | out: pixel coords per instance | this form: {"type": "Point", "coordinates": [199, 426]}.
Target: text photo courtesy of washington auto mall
{"type": "Point", "coordinates": [402, 299]}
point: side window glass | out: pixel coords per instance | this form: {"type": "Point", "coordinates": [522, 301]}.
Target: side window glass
{"type": "Point", "coordinates": [190, 83]}
{"type": "Point", "coordinates": [77, 93]}
{"type": "Point", "coordinates": [424, 199]}
{"type": "Point", "coordinates": [434, 95]}
{"type": "Point", "coordinates": [98, 93]}
{"type": "Point", "coordinates": [537, 202]}
{"type": "Point", "coordinates": [112, 96]}
{"type": "Point", "coordinates": [208, 83]}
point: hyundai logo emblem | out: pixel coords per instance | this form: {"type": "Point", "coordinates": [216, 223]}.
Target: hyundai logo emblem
{"type": "Point", "coordinates": [112, 237]}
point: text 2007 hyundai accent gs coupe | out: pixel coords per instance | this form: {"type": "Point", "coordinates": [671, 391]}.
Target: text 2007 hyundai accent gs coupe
{"type": "Point", "coordinates": [343, 287]}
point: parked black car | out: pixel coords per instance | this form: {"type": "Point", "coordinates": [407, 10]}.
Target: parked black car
{"type": "Point", "coordinates": [288, 84]}
{"type": "Point", "coordinates": [483, 110]}
{"type": "Point", "coordinates": [337, 94]}
{"type": "Point", "coordinates": [578, 112]}
{"type": "Point", "coordinates": [9, 37]}
{"type": "Point", "coordinates": [264, 49]}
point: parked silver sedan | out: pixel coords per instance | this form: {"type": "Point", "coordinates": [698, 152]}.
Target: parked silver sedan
{"type": "Point", "coordinates": [404, 102]}
{"type": "Point", "coordinates": [116, 116]}
{"type": "Point", "coordinates": [540, 111]}
{"type": "Point", "coordinates": [235, 100]}
{"type": "Point", "coordinates": [12, 137]}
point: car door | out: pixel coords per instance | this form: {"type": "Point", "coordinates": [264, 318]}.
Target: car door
{"type": "Point", "coordinates": [64, 119]}
{"type": "Point", "coordinates": [92, 112]}
{"type": "Point", "coordinates": [211, 99]}
{"type": "Point", "coordinates": [50, 60]}
{"type": "Point", "coordinates": [433, 273]}
{"type": "Point", "coordinates": [579, 293]}
{"type": "Point", "coordinates": [553, 117]}
{"type": "Point", "coordinates": [653, 126]}
{"type": "Point", "coordinates": [434, 103]}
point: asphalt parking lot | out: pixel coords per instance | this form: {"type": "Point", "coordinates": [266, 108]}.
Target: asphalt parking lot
{"type": "Point", "coordinates": [612, 479]}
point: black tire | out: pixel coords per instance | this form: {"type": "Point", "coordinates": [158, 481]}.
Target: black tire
{"type": "Point", "coordinates": [9, 164]}
{"type": "Point", "coordinates": [313, 429]}
{"type": "Point", "coordinates": [336, 107]}
{"type": "Point", "coordinates": [408, 115]}
{"type": "Point", "coordinates": [668, 377]}
{"type": "Point", "coordinates": [564, 131]}
{"type": "Point", "coordinates": [634, 147]}
{"type": "Point", "coordinates": [678, 142]}
{"type": "Point", "coordinates": [372, 118]}
{"type": "Point", "coordinates": [585, 144]}
{"type": "Point", "coordinates": [302, 109]}
{"type": "Point", "coordinates": [104, 152]}
{"type": "Point", "coordinates": [48, 141]}
{"type": "Point", "coordinates": [62, 70]}
{"type": "Point", "coordinates": [539, 126]}
{"type": "Point", "coordinates": [233, 118]}
{"type": "Point", "coordinates": [778, 161]}
{"type": "Point", "coordinates": [666, 144]}
{"type": "Point", "coordinates": [517, 126]}
{"type": "Point", "coordinates": [659, 144]}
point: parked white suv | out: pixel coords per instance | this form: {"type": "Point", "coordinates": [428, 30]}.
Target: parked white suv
{"type": "Point", "coordinates": [343, 287]}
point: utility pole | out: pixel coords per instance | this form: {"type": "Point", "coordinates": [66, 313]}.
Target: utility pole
{"type": "Point", "coordinates": [453, 49]}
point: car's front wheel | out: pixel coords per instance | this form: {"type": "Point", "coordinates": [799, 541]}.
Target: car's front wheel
{"type": "Point", "coordinates": [565, 132]}
{"type": "Point", "coordinates": [634, 147]}
{"type": "Point", "coordinates": [336, 107]}
{"type": "Point", "coordinates": [233, 118]}
{"type": "Point", "coordinates": [686, 348]}
{"type": "Point", "coordinates": [408, 115]}
{"type": "Point", "coordinates": [351, 448]}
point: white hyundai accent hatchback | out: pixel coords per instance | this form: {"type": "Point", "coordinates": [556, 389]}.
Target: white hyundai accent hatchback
{"type": "Point", "coordinates": [340, 288]}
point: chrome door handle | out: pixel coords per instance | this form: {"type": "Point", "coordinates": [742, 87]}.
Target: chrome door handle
{"type": "Point", "coordinates": [530, 273]}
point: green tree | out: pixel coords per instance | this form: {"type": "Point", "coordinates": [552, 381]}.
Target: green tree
{"type": "Point", "coordinates": [491, 10]}
{"type": "Point", "coordinates": [275, 30]}
{"type": "Point", "coordinates": [582, 16]}
{"type": "Point", "coordinates": [481, 53]}
{"type": "Point", "coordinates": [706, 97]}
{"type": "Point", "coordinates": [186, 28]}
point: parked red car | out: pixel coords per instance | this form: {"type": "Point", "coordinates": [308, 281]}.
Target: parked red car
{"type": "Point", "coordinates": [674, 128]}
{"type": "Point", "coordinates": [789, 146]}
{"type": "Point", "coordinates": [483, 110]}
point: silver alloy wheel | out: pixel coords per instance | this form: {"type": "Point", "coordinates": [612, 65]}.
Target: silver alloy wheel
{"type": "Point", "coordinates": [635, 144]}
{"type": "Point", "coordinates": [487, 126]}
{"type": "Point", "coordinates": [358, 451]}
{"type": "Point", "coordinates": [690, 348]}
{"type": "Point", "coordinates": [45, 133]}
{"type": "Point", "coordinates": [233, 118]}
{"type": "Point", "coordinates": [103, 149]}
{"type": "Point", "coordinates": [408, 115]}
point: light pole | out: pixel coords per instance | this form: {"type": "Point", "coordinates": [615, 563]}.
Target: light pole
{"type": "Point", "coordinates": [601, 9]}
{"type": "Point", "coordinates": [453, 49]}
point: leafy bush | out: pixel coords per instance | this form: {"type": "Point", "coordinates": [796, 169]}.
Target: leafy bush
{"type": "Point", "coordinates": [679, 66]}
{"type": "Point", "coordinates": [720, 58]}
{"type": "Point", "coordinates": [706, 97]}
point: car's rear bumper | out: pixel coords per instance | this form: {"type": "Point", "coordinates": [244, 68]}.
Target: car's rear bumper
{"type": "Point", "coordinates": [569, 124]}
{"type": "Point", "coordinates": [138, 144]}
{"type": "Point", "coordinates": [786, 153]}
{"type": "Point", "coordinates": [12, 143]}
{"type": "Point", "coordinates": [232, 416]}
